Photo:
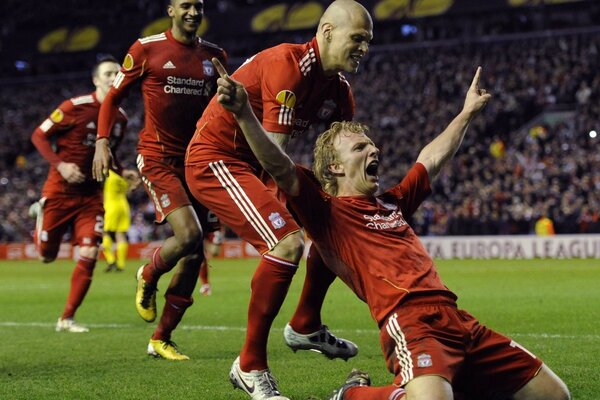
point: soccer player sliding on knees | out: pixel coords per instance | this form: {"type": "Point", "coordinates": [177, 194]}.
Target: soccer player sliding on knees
{"type": "Point", "coordinates": [434, 349]}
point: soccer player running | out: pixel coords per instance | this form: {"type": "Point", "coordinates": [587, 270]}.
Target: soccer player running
{"type": "Point", "coordinates": [70, 196]}
{"type": "Point", "coordinates": [433, 348]}
{"type": "Point", "coordinates": [117, 217]}
{"type": "Point", "coordinates": [291, 86]}
{"type": "Point", "coordinates": [177, 82]}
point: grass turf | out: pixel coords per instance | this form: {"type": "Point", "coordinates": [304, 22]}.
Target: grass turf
{"type": "Point", "coordinates": [550, 306]}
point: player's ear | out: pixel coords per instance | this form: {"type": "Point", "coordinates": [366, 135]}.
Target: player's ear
{"type": "Point", "coordinates": [326, 29]}
{"type": "Point", "coordinates": [336, 169]}
{"type": "Point", "coordinates": [170, 10]}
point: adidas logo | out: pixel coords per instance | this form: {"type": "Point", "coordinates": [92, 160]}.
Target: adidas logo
{"type": "Point", "coordinates": [169, 65]}
{"type": "Point", "coordinates": [91, 125]}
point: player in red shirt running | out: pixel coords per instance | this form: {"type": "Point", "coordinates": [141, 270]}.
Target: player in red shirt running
{"type": "Point", "coordinates": [433, 348]}
{"type": "Point", "coordinates": [177, 82]}
{"type": "Point", "coordinates": [290, 87]}
{"type": "Point", "coordinates": [70, 197]}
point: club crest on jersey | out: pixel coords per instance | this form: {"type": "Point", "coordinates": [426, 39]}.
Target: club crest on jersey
{"type": "Point", "coordinates": [276, 220]}
{"type": "Point", "coordinates": [327, 109]}
{"type": "Point", "coordinates": [128, 62]}
{"type": "Point", "coordinates": [57, 115]}
{"type": "Point", "coordinates": [209, 69]}
{"type": "Point", "coordinates": [165, 201]}
{"type": "Point", "coordinates": [424, 360]}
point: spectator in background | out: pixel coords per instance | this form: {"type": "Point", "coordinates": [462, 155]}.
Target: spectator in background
{"type": "Point", "coordinates": [544, 225]}
{"type": "Point", "coordinates": [71, 198]}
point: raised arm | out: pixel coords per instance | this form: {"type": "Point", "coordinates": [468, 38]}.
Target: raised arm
{"type": "Point", "coordinates": [233, 97]}
{"type": "Point", "coordinates": [441, 149]}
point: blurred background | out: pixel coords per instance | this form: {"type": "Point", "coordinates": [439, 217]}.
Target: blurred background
{"type": "Point", "coordinates": [533, 152]}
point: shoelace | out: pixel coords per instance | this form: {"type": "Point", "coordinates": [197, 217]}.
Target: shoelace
{"type": "Point", "coordinates": [326, 336]}
{"type": "Point", "coordinates": [268, 385]}
{"type": "Point", "coordinates": [172, 344]}
{"type": "Point", "coordinates": [149, 290]}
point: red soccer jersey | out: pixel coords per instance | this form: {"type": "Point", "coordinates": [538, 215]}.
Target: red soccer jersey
{"type": "Point", "coordinates": [178, 80]}
{"type": "Point", "coordinates": [367, 241]}
{"type": "Point", "coordinates": [288, 92]}
{"type": "Point", "coordinates": [69, 135]}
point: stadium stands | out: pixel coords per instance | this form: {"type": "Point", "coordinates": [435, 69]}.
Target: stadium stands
{"type": "Point", "coordinates": [507, 173]}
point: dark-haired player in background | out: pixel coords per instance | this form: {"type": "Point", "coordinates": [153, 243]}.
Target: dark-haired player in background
{"type": "Point", "coordinates": [177, 82]}
{"type": "Point", "coordinates": [71, 198]}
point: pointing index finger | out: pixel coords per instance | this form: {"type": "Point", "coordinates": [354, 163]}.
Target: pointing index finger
{"type": "Point", "coordinates": [476, 78]}
{"type": "Point", "coordinates": [220, 69]}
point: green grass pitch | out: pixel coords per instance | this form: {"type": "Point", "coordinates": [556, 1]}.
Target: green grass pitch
{"type": "Point", "coordinates": [550, 306]}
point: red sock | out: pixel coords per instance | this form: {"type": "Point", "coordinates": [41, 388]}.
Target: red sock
{"type": "Point", "coordinates": [204, 272]}
{"type": "Point", "coordinates": [375, 393]}
{"type": "Point", "coordinates": [81, 280]}
{"type": "Point", "coordinates": [157, 267]}
{"type": "Point", "coordinates": [307, 317]}
{"type": "Point", "coordinates": [173, 311]}
{"type": "Point", "coordinates": [270, 284]}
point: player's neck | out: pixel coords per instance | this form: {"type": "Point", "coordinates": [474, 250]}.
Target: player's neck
{"type": "Point", "coordinates": [100, 95]}
{"type": "Point", "coordinates": [182, 36]}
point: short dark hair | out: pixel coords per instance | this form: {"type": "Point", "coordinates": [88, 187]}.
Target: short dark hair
{"type": "Point", "coordinates": [102, 59]}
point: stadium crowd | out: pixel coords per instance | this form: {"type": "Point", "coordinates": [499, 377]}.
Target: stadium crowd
{"type": "Point", "coordinates": [512, 167]}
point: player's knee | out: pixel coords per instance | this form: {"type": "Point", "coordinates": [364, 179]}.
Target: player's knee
{"type": "Point", "coordinates": [89, 252]}
{"type": "Point", "coordinates": [189, 238]}
{"type": "Point", "coordinates": [290, 248]}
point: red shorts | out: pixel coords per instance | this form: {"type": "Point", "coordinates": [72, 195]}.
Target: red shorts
{"type": "Point", "coordinates": [164, 180]}
{"type": "Point", "coordinates": [233, 191]}
{"type": "Point", "coordinates": [85, 214]}
{"type": "Point", "coordinates": [433, 337]}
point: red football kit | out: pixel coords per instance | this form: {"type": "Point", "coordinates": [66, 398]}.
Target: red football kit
{"type": "Point", "coordinates": [288, 92]}
{"type": "Point", "coordinates": [367, 242]}
{"type": "Point", "coordinates": [69, 135]}
{"type": "Point", "coordinates": [177, 82]}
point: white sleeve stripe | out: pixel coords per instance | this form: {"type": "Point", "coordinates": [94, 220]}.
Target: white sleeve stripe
{"type": "Point", "coordinates": [46, 125]}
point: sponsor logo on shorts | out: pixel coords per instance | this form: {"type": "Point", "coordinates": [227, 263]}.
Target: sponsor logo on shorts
{"type": "Point", "coordinates": [276, 220]}
{"type": "Point", "coordinates": [165, 201]}
{"type": "Point", "coordinates": [424, 360]}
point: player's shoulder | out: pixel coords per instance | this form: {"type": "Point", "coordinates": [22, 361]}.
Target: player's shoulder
{"type": "Point", "coordinates": [83, 99]}
{"type": "Point", "coordinates": [149, 40]}
{"type": "Point", "coordinates": [210, 46]}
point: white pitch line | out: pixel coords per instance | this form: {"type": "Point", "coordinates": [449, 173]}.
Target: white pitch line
{"type": "Point", "coordinates": [12, 324]}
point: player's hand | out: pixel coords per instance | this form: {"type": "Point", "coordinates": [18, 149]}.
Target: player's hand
{"type": "Point", "coordinates": [231, 94]}
{"type": "Point", "coordinates": [70, 172]}
{"type": "Point", "coordinates": [132, 177]}
{"type": "Point", "coordinates": [102, 160]}
{"type": "Point", "coordinates": [476, 97]}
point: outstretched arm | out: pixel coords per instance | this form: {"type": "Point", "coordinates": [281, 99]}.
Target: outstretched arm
{"type": "Point", "coordinates": [233, 97]}
{"type": "Point", "coordinates": [441, 149]}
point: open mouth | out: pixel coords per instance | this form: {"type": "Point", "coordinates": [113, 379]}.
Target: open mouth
{"type": "Point", "coordinates": [373, 168]}
{"type": "Point", "coordinates": [195, 21]}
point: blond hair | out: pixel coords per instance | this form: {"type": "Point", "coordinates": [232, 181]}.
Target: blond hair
{"type": "Point", "coordinates": [326, 155]}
